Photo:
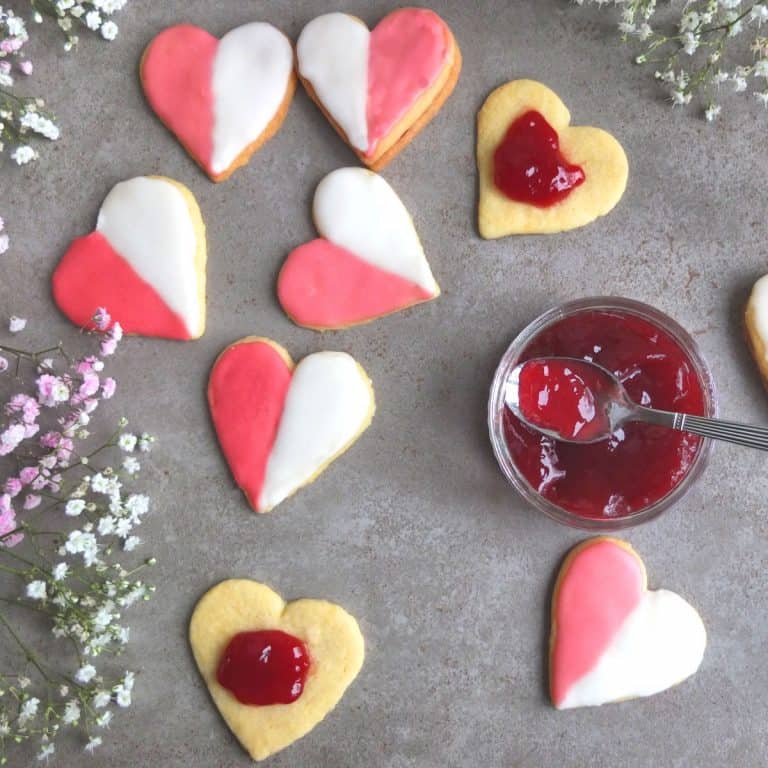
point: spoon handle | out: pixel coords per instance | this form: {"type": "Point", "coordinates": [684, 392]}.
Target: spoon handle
{"type": "Point", "coordinates": [728, 431]}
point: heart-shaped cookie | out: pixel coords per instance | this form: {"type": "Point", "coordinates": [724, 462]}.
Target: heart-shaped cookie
{"type": "Point", "coordinates": [379, 88]}
{"type": "Point", "coordinates": [278, 426]}
{"type": "Point", "coordinates": [589, 167]}
{"type": "Point", "coordinates": [368, 263]}
{"type": "Point", "coordinates": [221, 98]}
{"type": "Point", "coordinates": [329, 634]}
{"type": "Point", "coordinates": [613, 639]}
{"type": "Point", "coordinates": [756, 325]}
{"type": "Point", "coordinates": [145, 262]}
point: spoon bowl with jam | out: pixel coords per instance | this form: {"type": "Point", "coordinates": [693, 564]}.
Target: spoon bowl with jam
{"type": "Point", "coordinates": [579, 401]}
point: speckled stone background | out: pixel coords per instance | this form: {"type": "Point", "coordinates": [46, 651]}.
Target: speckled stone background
{"type": "Point", "coordinates": [415, 531]}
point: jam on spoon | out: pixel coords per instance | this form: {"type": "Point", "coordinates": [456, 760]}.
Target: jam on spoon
{"type": "Point", "coordinates": [565, 397]}
{"type": "Point", "coordinates": [264, 667]}
{"type": "Point", "coordinates": [529, 167]}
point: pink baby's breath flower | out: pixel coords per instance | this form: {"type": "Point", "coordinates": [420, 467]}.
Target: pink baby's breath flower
{"type": "Point", "coordinates": [26, 406]}
{"type": "Point", "coordinates": [90, 405]}
{"type": "Point", "coordinates": [13, 486]}
{"type": "Point", "coordinates": [8, 522]}
{"type": "Point", "coordinates": [3, 364]}
{"type": "Point", "coordinates": [101, 319]}
{"type": "Point", "coordinates": [32, 501]}
{"type": "Point", "coordinates": [50, 440]}
{"type": "Point", "coordinates": [108, 347]}
{"type": "Point", "coordinates": [90, 385]}
{"type": "Point", "coordinates": [10, 438]}
{"type": "Point", "coordinates": [26, 67]}
{"type": "Point", "coordinates": [51, 390]}
{"type": "Point", "coordinates": [28, 474]}
{"type": "Point", "coordinates": [108, 387]}
{"type": "Point", "coordinates": [30, 430]}
{"type": "Point", "coordinates": [117, 332]}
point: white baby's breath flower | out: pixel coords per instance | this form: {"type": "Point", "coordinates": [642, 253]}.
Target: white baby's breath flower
{"type": "Point", "coordinates": [85, 674]}
{"type": "Point", "coordinates": [127, 442]}
{"type": "Point", "coordinates": [109, 30]}
{"type": "Point", "coordinates": [60, 571]}
{"type": "Point", "coordinates": [36, 590]}
{"type": "Point", "coordinates": [74, 507]}
{"type": "Point", "coordinates": [16, 324]}
{"type": "Point", "coordinates": [46, 752]}
{"type": "Point", "coordinates": [131, 543]}
{"type": "Point", "coordinates": [93, 743]}
{"type": "Point", "coordinates": [101, 699]}
{"type": "Point", "coordinates": [23, 154]}
{"type": "Point", "coordinates": [131, 465]}
{"type": "Point", "coordinates": [712, 111]}
{"type": "Point", "coordinates": [28, 710]}
{"type": "Point", "coordinates": [93, 20]}
{"type": "Point", "coordinates": [72, 713]}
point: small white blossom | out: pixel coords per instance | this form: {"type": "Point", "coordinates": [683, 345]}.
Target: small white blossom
{"type": "Point", "coordinates": [28, 710]}
{"type": "Point", "coordinates": [93, 20]}
{"type": "Point", "coordinates": [109, 30]}
{"type": "Point", "coordinates": [101, 699]}
{"type": "Point", "coordinates": [85, 674]}
{"type": "Point", "coordinates": [60, 571]}
{"type": "Point", "coordinates": [23, 154]}
{"type": "Point", "coordinates": [16, 324]}
{"type": "Point", "coordinates": [36, 590]}
{"type": "Point", "coordinates": [74, 507]}
{"type": "Point", "coordinates": [127, 442]}
{"type": "Point", "coordinates": [71, 713]}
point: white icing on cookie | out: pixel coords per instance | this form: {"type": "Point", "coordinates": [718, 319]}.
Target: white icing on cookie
{"type": "Point", "coordinates": [357, 209]}
{"type": "Point", "coordinates": [659, 644]}
{"type": "Point", "coordinates": [251, 72]}
{"type": "Point", "coordinates": [329, 402]}
{"type": "Point", "coordinates": [758, 310]}
{"type": "Point", "coordinates": [147, 221]}
{"type": "Point", "coordinates": [340, 81]}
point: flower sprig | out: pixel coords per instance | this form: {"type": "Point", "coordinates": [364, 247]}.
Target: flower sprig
{"type": "Point", "coordinates": [23, 117]}
{"type": "Point", "coordinates": [68, 510]}
{"type": "Point", "coordinates": [700, 47]}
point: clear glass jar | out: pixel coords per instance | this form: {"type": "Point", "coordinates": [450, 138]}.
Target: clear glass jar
{"type": "Point", "coordinates": [512, 357]}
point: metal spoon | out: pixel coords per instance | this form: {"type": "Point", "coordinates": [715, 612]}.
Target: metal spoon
{"type": "Point", "coordinates": [613, 407]}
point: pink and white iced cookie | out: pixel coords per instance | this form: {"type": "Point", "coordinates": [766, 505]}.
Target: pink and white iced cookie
{"type": "Point", "coordinates": [280, 425]}
{"type": "Point", "coordinates": [613, 639]}
{"type": "Point", "coordinates": [223, 98]}
{"type": "Point", "coordinates": [145, 262]}
{"type": "Point", "coordinates": [367, 263]}
{"type": "Point", "coordinates": [379, 87]}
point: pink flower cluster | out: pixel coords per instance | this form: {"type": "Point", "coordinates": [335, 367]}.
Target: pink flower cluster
{"type": "Point", "coordinates": [66, 401]}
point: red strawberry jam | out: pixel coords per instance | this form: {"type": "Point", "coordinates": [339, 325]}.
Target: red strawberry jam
{"type": "Point", "coordinates": [264, 667]}
{"type": "Point", "coordinates": [528, 166]}
{"type": "Point", "coordinates": [640, 463]}
{"type": "Point", "coordinates": [564, 396]}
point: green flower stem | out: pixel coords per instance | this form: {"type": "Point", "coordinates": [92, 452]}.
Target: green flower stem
{"type": "Point", "coordinates": [31, 657]}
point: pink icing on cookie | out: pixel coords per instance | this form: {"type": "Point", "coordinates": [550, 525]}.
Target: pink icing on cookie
{"type": "Point", "coordinates": [408, 50]}
{"type": "Point", "coordinates": [92, 274]}
{"type": "Point", "coordinates": [602, 585]}
{"type": "Point", "coordinates": [322, 285]}
{"type": "Point", "coordinates": [176, 73]}
{"type": "Point", "coordinates": [246, 395]}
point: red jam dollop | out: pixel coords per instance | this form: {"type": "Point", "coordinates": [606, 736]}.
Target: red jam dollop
{"type": "Point", "coordinates": [264, 667]}
{"type": "Point", "coordinates": [564, 396]}
{"type": "Point", "coordinates": [528, 166]}
{"type": "Point", "coordinates": [640, 463]}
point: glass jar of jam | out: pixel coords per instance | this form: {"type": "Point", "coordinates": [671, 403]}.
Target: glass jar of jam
{"type": "Point", "coordinates": [642, 469]}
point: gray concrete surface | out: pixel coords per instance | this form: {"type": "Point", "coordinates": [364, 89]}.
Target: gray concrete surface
{"type": "Point", "coordinates": [415, 531]}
